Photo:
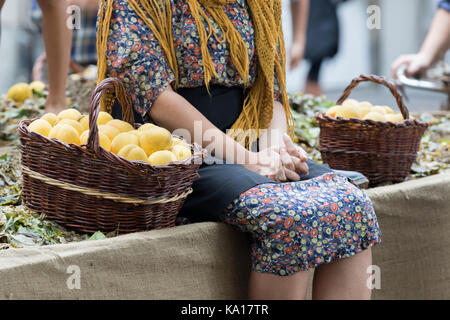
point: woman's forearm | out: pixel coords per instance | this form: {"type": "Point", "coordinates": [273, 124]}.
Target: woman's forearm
{"type": "Point", "coordinates": [437, 41]}
{"type": "Point", "coordinates": [173, 112]}
{"type": "Point", "coordinates": [273, 136]}
{"type": "Point", "coordinates": [57, 41]}
{"type": "Point", "coordinates": [300, 11]}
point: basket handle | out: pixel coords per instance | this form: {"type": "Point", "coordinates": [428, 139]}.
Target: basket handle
{"type": "Point", "coordinates": [380, 80]}
{"type": "Point", "coordinates": [108, 86]}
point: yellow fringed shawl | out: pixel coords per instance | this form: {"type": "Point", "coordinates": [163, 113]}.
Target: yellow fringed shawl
{"type": "Point", "coordinates": [257, 111]}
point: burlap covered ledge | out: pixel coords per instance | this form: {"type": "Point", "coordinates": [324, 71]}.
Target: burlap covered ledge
{"type": "Point", "coordinates": [211, 261]}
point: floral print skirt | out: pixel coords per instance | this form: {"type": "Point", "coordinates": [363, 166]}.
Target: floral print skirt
{"type": "Point", "coordinates": [296, 226]}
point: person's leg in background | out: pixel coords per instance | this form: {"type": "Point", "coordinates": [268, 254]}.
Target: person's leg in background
{"type": "Point", "coordinates": [312, 81]}
{"type": "Point", "coordinates": [57, 40]}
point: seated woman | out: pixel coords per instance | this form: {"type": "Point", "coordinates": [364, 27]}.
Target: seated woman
{"type": "Point", "coordinates": [219, 64]}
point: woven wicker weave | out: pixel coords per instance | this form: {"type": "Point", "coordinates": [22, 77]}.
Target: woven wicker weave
{"type": "Point", "coordinates": [382, 151]}
{"type": "Point", "coordinates": [87, 188]}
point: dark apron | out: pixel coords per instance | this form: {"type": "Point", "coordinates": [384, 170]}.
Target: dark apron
{"type": "Point", "coordinates": [219, 184]}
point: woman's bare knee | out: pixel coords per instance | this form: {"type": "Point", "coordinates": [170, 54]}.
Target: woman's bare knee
{"type": "Point", "coordinates": [343, 278]}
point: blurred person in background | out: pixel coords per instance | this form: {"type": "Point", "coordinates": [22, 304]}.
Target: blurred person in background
{"type": "Point", "coordinates": [299, 12]}
{"type": "Point", "coordinates": [322, 37]}
{"type": "Point", "coordinates": [436, 44]}
{"type": "Point", "coordinates": [84, 35]}
{"type": "Point", "coordinates": [57, 38]}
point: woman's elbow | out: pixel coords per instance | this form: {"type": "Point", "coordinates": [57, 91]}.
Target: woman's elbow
{"type": "Point", "coordinates": [159, 106]}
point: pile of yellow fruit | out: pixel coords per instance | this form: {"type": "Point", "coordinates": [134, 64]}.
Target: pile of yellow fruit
{"type": "Point", "coordinates": [149, 143]}
{"type": "Point", "coordinates": [22, 91]}
{"type": "Point", "coordinates": [352, 109]}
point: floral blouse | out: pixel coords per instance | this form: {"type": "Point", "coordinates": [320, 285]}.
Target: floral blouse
{"type": "Point", "coordinates": [136, 58]}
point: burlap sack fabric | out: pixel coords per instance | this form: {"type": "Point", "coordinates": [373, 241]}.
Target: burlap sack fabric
{"type": "Point", "coordinates": [210, 260]}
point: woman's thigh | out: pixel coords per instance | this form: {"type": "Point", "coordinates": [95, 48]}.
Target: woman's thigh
{"type": "Point", "coordinates": [219, 185]}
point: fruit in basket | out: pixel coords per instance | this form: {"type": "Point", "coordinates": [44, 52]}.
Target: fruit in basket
{"type": "Point", "coordinates": [375, 116]}
{"type": "Point", "coordinates": [388, 110]}
{"type": "Point", "coordinates": [365, 104]}
{"type": "Point", "coordinates": [84, 121]}
{"type": "Point", "coordinates": [74, 124]}
{"type": "Point", "coordinates": [136, 133]}
{"type": "Point", "coordinates": [332, 111]}
{"type": "Point", "coordinates": [37, 86]}
{"type": "Point", "coordinates": [123, 139]}
{"type": "Point", "coordinates": [50, 118]}
{"type": "Point", "coordinates": [103, 140]}
{"type": "Point", "coordinates": [379, 109]}
{"type": "Point", "coordinates": [110, 132]}
{"type": "Point", "coordinates": [350, 103]}
{"type": "Point", "coordinates": [133, 152]}
{"type": "Point", "coordinates": [396, 117]}
{"type": "Point", "coordinates": [72, 114]}
{"type": "Point", "coordinates": [364, 108]}
{"type": "Point", "coordinates": [178, 141]}
{"type": "Point", "coordinates": [84, 137]}
{"type": "Point", "coordinates": [103, 118]}
{"type": "Point", "coordinates": [155, 139]}
{"type": "Point", "coordinates": [122, 126]}
{"type": "Point", "coordinates": [348, 111]}
{"type": "Point", "coordinates": [146, 126]}
{"type": "Point", "coordinates": [160, 158]}
{"type": "Point", "coordinates": [65, 133]}
{"type": "Point", "coordinates": [20, 92]}
{"type": "Point", "coordinates": [40, 126]}
{"type": "Point", "coordinates": [181, 152]}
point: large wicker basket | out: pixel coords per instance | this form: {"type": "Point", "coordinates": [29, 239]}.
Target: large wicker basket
{"type": "Point", "coordinates": [382, 151]}
{"type": "Point", "coordinates": [87, 188]}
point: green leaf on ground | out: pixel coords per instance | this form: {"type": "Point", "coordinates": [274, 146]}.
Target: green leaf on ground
{"type": "Point", "coordinates": [97, 236]}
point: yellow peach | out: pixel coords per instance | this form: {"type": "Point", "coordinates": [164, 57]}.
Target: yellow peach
{"type": "Point", "coordinates": [155, 139]}
{"type": "Point", "coordinates": [65, 133]}
{"type": "Point", "coordinates": [121, 140]}
{"type": "Point", "coordinates": [40, 126]}
{"type": "Point", "coordinates": [122, 126]}
{"type": "Point", "coordinates": [375, 116]}
{"type": "Point", "coordinates": [160, 158]}
{"type": "Point", "coordinates": [103, 118]}
{"type": "Point", "coordinates": [110, 131]}
{"type": "Point", "coordinates": [50, 118]}
{"type": "Point", "coordinates": [146, 126]}
{"type": "Point", "coordinates": [72, 114]}
{"type": "Point", "coordinates": [348, 112]}
{"type": "Point", "coordinates": [396, 117]}
{"type": "Point", "coordinates": [74, 124]}
{"type": "Point", "coordinates": [133, 152]}
{"type": "Point", "coordinates": [103, 139]}
{"type": "Point", "coordinates": [181, 152]}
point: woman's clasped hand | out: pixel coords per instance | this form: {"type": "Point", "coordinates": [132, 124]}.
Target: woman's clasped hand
{"type": "Point", "coordinates": [280, 163]}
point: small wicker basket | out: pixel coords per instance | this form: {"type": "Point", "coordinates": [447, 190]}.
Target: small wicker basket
{"type": "Point", "coordinates": [88, 189]}
{"type": "Point", "coordinates": [382, 151]}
